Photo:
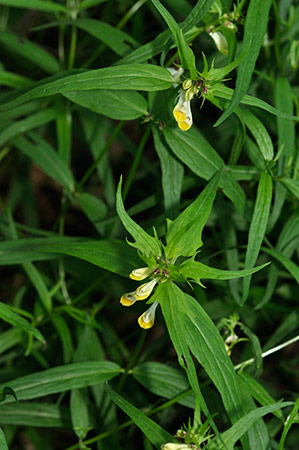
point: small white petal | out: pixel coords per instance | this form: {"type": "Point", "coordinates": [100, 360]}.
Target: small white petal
{"type": "Point", "coordinates": [220, 41]}
{"type": "Point", "coordinates": [145, 290]}
{"type": "Point", "coordinates": [141, 273]}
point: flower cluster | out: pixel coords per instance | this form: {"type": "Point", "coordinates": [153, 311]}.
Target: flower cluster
{"type": "Point", "coordinates": [157, 275]}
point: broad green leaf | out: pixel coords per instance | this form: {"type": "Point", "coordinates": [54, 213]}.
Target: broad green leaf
{"type": "Point", "coordinates": [285, 128]}
{"type": "Point", "coordinates": [146, 244]}
{"type": "Point", "coordinates": [113, 37]}
{"type": "Point", "coordinates": [259, 132]}
{"type": "Point", "coordinates": [121, 105]}
{"type": "Point", "coordinates": [14, 319]}
{"type": "Point", "coordinates": [62, 378]}
{"type": "Point", "coordinates": [254, 30]}
{"type": "Point", "coordinates": [136, 77]}
{"type": "Point", "coordinates": [111, 255]}
{"type": "Point", "coordinates": [35, 415]}
{"type": "Point", "coordinates": [94, 208]}
{"type": "Point", "coordinates": [3, 443]}
{"type": "Point", "coordinates": [163, 381]}
{"type": "Point", "coordinates": [221, 91]}
{"type": "Point", "coordinates": [197, 271]}
{"type": "Point", "coordinates": [194, 151]}
{"type": "Point", "coordinates": [45, 156]}
{"type": "Point", "coordinates": [259, 393]}
{"type": "Point", "coordinates": [172, 176]}
{"type": "Point", "coordinates": [186, 55]}
{"type": "Point", "coordinates": [258, 226]}
{"type": "Point", "coordinates": [231, 436]}
{"type": "Point", "coordinates": [183, 235]}
{"type": "Point", "coordinates": [151, 429]}
{"type": "Point", "coordinates": [35, 120]}
{"type": "Point", "coordinates": [30, 51]}
{"type": "Point", "coordinates": [79, 412]}
{"type": "Point", "coordinates": [39, 5]}
{"type": "Point", "coordinates": [207, 346]}
{"type": "Point", "coordinates": [289, 422]}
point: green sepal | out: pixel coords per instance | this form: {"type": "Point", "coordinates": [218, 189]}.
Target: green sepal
{"type": "Point", "coordinates": [147, 245]}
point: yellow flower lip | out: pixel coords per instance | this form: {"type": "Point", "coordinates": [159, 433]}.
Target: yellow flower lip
{"type": "Point", "coordinates": [141, 273]}
{"type": "Point", "coordinates": [147, 319]}
{"type": "Point", "coordinates": [145, 290]}
{"type": "Point", "coordinates": [128, 299]}
{"type": "Point", "coordinates": [182, 112]}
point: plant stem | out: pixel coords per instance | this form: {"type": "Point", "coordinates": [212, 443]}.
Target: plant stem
{"type": "Point", "coordinates": [72, 48]}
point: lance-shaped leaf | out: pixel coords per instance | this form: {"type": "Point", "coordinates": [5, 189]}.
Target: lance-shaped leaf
{"type": "Point", "coordinates": [185, 53]}
{"type": "Point", "coordinates": [156, 434]}
{"type": "Point", "coordinates": [258, 226]}
{"type": "Point", "coordinates": [197, 271]}
{"type": "Point", "coordinates": [254, 32]}
{"type": "Point", "coordinates": [184, 233]}
{"type": "Point", "coordinates": [259, 132]}
{"type": "Point", "coordinates": [148, 245]}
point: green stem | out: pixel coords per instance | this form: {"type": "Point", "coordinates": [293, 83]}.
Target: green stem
{"type": "Point", "coordinates": [72, 48]}
{"type": "Point", "coordinates": [137, 160]}
{"type": "Point", "coordinates": [132, 360]}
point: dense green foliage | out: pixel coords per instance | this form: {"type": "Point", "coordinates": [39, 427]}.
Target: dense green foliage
{"type": "Point", "coordinates": [151, 140]}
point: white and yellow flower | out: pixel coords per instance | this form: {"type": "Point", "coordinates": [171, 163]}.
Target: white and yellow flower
{"type": "Point", "coordinates": [220, 41]}
{"type": "Point", "coordinates": [172, 446]}
{"type": "Point", "coordinates": [147, 319]}
{"type": "Point", "coordinates": [182, 112]}
{"type": "Point", "coordinates": [141, 273]}
{"type": "Point", "coordinates": [145, 290]}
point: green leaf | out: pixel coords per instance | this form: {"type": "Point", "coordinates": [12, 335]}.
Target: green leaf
{"type": "Point", "coordinates": [121, 105]}
{"type": "Point", "coordinates": [172, 176]}
{"type": "Point", "coordinates": [185, 53]}
{"type": "Point", "coordinates": [79, 412]}
{"type": "Point", "coordinates": [30, 51]}
{"type": "Point", "coordinates": [13, 80]}
{"type": "Point", "coordinates": [111, 36]}
{"type": "Point", "coordinates": [289, 422]}
{"type": "Point", "coordinates": [259, 393]}
{"type": "Point", "coordinates": [33, 414]}
{"type": "Point", "coordinates": [233, 190]}
{"type": "Point", "coordinates": [111, 255]}
{"type": "Point", "coordinates": [39, 284]}
{"type": "Point", "coordinates": [197, 271]}
{"type": "Point", "coordinates": [35, 120]}
{"type": "Point", "coordinates": [292, 185]}
{"type": "Point", "coordinates": [14, 319]}
{"type": "Point", "coordinates": [146, 244]}
{"type": "Point", "coordinates": [62, 378]}
{"type": "Point", "coordinates": [231, 436]}
{"type": "Point", "coordinates": [198, 12]}
{"type": "Point", "coordinates": [285, 128]}
{"type": "Point", "coordinates": [193, 149]}
{"type": "Point", "coordinates": [136, 77]}
{"type": "Point", "coordinates": [254, 31]}
{"type": "Point", "coordinates": [84, 4]}
{"type": "Point", "coordinates": [259, 132]}
{"type": "Point", "coordinates": [7, 391]}
{"type": "Point", "coordinates": [286, 262]}
{"type": "Point", "coordinates": [183, 235]}
{"type": "Point", "coordinates": [163, 381]}
{"type": "Point", "coordinates": [258, 226]}
{"type": "Point", "coordinates": [3, 443]}
{"type": "Point", "coordinates": [152, 430]}
{"type": "Point", "coordinates": [39, 5]}
{"type": "Point", "coordinates": [45, 156]}
{"type": "Point", "coordinates": [94, 208]}
{"type": "Point", "coordinates": [221, 91]}
{"type": "Point", "coordinates": [65, 336]}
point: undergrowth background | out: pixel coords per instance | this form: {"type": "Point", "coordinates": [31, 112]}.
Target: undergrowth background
{"type": "Point", "coordinates": [68, 132]}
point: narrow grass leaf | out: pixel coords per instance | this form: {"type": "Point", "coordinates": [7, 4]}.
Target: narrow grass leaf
{"type": "Point", "coordinates": [62, 378]}
{"type": "Point", "coordinates": [259, 133]}
{"type": "Point", "coordinates": [39, 5]}
{"type": "Point", "coordinates": [286, 262]}
{"type": "Point", "coordinates": [15, 320]}
{"type": "Point", "coordinates": [164, 381]}
{"type": "Point", "coordinates": [151, 429]}
{"type": "Point", "coordinates": [289, 422]}
{"type": "Point", "coordinates": [89, 3]}
{"type": "Point", "coordinates": [13, 80]}
{"type": "Point", "coordinates": [258, 226]}
{"type": "Point", "coordinates": [231, 436]}
{"type": "Point", "coordinates": [254, 31]}
{"type": "Point", "coordinates": [79, 412]}
{"type": "Point", "coordinates": [198, 12]}
{"type": "Point", "coordinates": [172, 176]}
{"type": "Point", "coordinates": [148, 245]}
{"type": "Point", "coordinates": [38, 282]}
{"type": "Point", "coordinates": [45, 156]}
{"type": "Point", "coordinates": [183, 235]}
{"type": "Point", "coordinates": [94, 208]}
{"type": "Point", "coordinates": [65, 336]}
{"type": "Point", "coordinates": [136, 77]}
{"type": "Point", "coordinates": [119, 41]}
{"type": "Point", "coordinates": [292, 185]}
{"type": "Point", "coordinates": [123, 105]}
{"type": "Point", "coordinates": [29, 51]}
{"type": "Point", "coordinates": [33, 414]}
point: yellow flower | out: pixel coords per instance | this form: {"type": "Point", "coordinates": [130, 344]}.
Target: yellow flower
{"type": "Point", "coordinates": [145, 290]}
{"type": "Point", "coordinates": [147, 319]}
{"type": "Point", "coordinates": [182, 112]}
{"type": "Point", "coordinates": [128, 299]}
{"type": "Point", "coordinates": [172, 446]}
{"type": "Point", "coordinates": [141, 274]}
